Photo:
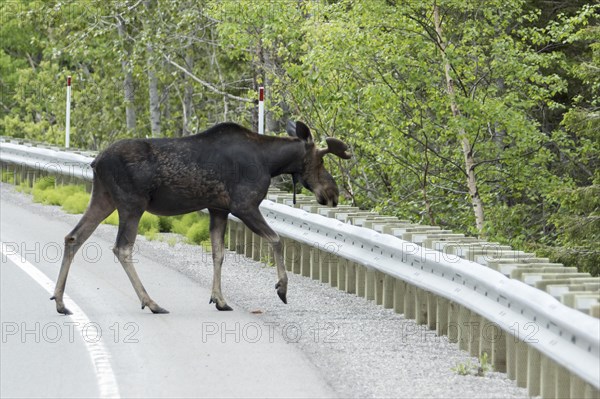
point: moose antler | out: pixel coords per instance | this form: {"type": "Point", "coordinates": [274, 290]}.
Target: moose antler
{"type": "Point", "coordinates": [336, 147]}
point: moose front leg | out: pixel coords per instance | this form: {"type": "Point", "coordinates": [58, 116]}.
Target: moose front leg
{"type": "Point", "coordinates": [218, 224]}
{"type": "Point", "coordinates": [282, 284]}
{"type": "Point", "coordinates": [128, 225]}
{"type": "Point", "coordinates": [255, 221]}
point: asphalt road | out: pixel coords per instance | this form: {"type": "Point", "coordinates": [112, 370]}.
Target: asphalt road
{"type": "Point", "coordinates": [323, 343]}
{"type": "Point", "coordinates": [111, 347]}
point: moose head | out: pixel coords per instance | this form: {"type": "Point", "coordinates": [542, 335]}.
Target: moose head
{"type": "Point", "coordinates": [314, 176]}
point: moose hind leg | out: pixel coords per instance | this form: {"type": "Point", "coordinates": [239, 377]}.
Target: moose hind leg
{"type": "Point", "coordinates": [128, 224]}
{"type": "Point", "coordinates": [255, 221]}
{"type": "Point", "coordinates": [218, 224]}
{"type": "Point", "coordinates": [99, 209]}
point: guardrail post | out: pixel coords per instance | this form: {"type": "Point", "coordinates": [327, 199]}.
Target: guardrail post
{"type": "Point", "coordinates": [577, 387]}
{"type": "Point", "coordinates": [315, 268]}
{"type": "Point", "coordinates": [351, 277]}
{"type": "Point", "coordinates": [324, 266]}
{"type": "Point", "coordinates": [474, 333]}
{"type": "Point", "coordinates": [591, 392]}
{"type": "Point", "coordinates": [548, 378]}
{"type": "Point", "coordinates": [453, 326]}
{"type": "Point", "coordinates": [370, 285]}
{"type": "Point", "coordinates": [256, 247]}
{"type": "Point", "coordinates": [304, 260]}
{"type": "Point", "coordinates": [240, 236]}
{"type": "Point", "coordinates": [333, 262]}
{"type": "Point", "coordinates": [499, 350]}
{"type": "Point", "coordinates": [409, 301]}
{"type": "Point", "coordinates": [292, 256]}
{"type": "Point", "coordinates": [464, 333]}
{"type": "Point", "coordinates": [485, 340]}
{"type": "Point", "coordinates": [511, 363]}
{"type": "Point", "coordinates": [441, 316]}
{"type": "Point", "coordinates": [534, 366]}
{"type": "Point", "coordinates": [399, 293]}
{"type": "Point", "coordinates": [319, 262]}
{"type": "Point", "coordinates": [341, 274]}
{"type": "Point", "coordinates": [388, 291]}
{"type": "Point", "coordinates": [22, 175]}
{"type": "Point", "coordinates": [231, 235]}
{"type": "Point", "coordinates": [431, 311]}
{"type": "Point", "coordinates": [247, 242]}
{"type": "Point", "coordinates": [563, 382]}
{"type": "Point", "coordinates": [266, 253]}
{"type": "Point", "coordinates": [420, 306]}
{"type": "Point", "coordinates": [360, 279]}
{"type": "Point", "coordinates": [31, 177]}
{"type": "Point", "coordinates": [378, 287]}
{"type": "Point", "coordinates": [521, 355]}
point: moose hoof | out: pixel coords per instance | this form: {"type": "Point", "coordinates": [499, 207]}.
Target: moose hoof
{"type": "Point", "coordinates": [154, 308]}
{"type": "Point", "coordinates": [60, 307]}
{"type": "Point", "coordinates": [158, 309]}
{"type": "Point", "coordinates": [223, 307]}
{"type": "Point", "coordinates": [282, 292]}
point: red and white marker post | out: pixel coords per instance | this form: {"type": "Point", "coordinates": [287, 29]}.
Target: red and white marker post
{"type": "Point", "coordinates": [68, 119]}
{"type": "Point", "coordinates": [261, 110]}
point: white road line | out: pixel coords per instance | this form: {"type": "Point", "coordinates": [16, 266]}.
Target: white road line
{"type": "Point", "coordinates": [105, 376]}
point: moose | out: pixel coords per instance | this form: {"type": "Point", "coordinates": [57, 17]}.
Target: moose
{"type": "Point", "coordinates": [226, 169]}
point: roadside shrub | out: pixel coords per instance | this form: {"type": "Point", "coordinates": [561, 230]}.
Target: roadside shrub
{"type": "Point", "coordinates": [76, 202]}
{"type": "Point", "coordinates": [8, 177]}
{"type": "Point", "coordinates": [198, 232]}
{"type": "Point", "coordinates": [165, 224]}
{"type": "Point", "coordinates": [148, 222]}
{"type": "Point", "coordinates": [181, 224]}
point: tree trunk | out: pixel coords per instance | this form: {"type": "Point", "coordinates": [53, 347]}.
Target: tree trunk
{"type": "Point", "coordinates": [188, 92]}
{"type": "Point", "coordinates": [128, 89]}
{"type": "Point", "coordinates": [154, 100]}
{"type": "Point", "coordinates": [467, 148]}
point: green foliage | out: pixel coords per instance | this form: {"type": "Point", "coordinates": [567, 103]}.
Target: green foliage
{"type": "Point", "coordinates": [463, 368]}
{"type": "Point", "coordinates": [23, 187]}
{"type": "Point", "coordinates": [181, 224]}
{"type": "Point", "coordinates": [72, 198]}
{"type": "Point", "coordinates": [469, 368]}
{"type": "Point", "coordinates": [148, 222]}
{"type": "Point", "coordinates": [165, 224]}
{"type": "Point", "coordinates": [8, 177]}
{"type": "Point", "coordinates": [194, 226]}
{"type": "Point", "coordinates": [373, 73]}
{"type": "Point", "coordinates": [198, 232]}
{"type": "Point", "coordinates": [576, 226]}
{"type": "Point", "coordinates": [76, 202]}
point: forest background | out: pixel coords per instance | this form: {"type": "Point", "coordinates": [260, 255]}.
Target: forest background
{"type": "Point", "coordinates": [481, 116]}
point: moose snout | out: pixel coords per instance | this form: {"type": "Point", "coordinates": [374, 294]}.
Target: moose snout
{"type": "Point", "coordinates": [328, 197]}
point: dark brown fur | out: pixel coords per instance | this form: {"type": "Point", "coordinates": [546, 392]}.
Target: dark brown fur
{"type": "Point", "coordinates": [226, 169]}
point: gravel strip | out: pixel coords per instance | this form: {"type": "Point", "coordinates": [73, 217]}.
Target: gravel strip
{"type": "Point", "coordinates": [361, 349]}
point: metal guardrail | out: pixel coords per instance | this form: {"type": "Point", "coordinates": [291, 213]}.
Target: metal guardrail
{"type": "Point", "coordinates": [551, 349]}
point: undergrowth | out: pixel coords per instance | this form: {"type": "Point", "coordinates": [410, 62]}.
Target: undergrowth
{"type": "Point", "coordinates": [74, 199]}
{"type": "Point", "coordinates": [469, 368]}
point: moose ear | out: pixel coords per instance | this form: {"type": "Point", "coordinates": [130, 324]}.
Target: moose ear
{"type": "Point", "coordinates": [300, 130]}
{"type": "Point", "coordinates": [337, 147]}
